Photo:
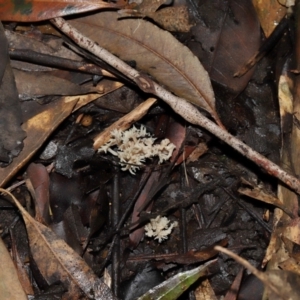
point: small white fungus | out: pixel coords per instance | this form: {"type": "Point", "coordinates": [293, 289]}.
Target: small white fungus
{"type": "Point", "coordinates": [159, 228]}
{"type": "Point", "coordinates": [134, 146]}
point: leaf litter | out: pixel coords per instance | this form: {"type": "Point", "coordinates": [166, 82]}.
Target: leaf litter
{"type": "Point", "coordinates": [57, 261]}
{"type": "Point", "coordinates": [162, 56]}
{"type": "Point", "coordinates": [190, 193]}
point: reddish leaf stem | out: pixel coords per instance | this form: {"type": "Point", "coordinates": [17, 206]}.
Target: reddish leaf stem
{"type": "Point", "coordinates": [179, 105]}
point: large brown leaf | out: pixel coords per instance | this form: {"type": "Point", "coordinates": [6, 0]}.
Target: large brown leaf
{"type": "Point", "coordinates": [225, 38]}
{"type": "Point", "coordinates": [59, 262]}
{"type": "Point", "coordinates": [37, 10]}
{"type": "Point", "coordinates": [154, 51]}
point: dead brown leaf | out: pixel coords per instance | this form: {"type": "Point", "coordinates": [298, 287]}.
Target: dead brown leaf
{"type": "Point", "coordinates": [59, 262]}
{"type": "Point", "coordinates": [22, 274]}
{"type": "Point", "coordinates": [33, 43]}
{"type": "Point", "coordinates": [173, 18]}
{"type": "Point", "coordinates": [269, 12]}
{"type": "Point", "coordinates": [154, 51]}
{"type": "Point", "coordinates": [261, 195]}
{"type": "Point", "coordinates": [291, 264]}
{"type": "Point", "coordinates": [39, 178]}
{"type": "Point", "coordinates": [38, 84]}
{"type": "Point", "coordinates": [224, 43]}
{"type": "Point", "coordinates": [205, 291]}
{"type": "Point", "coordinates": [200, 149]}
{"type": "Point", "coordinates": [279, 248]}
{"type": "Point", "coordinates": [292, 231]}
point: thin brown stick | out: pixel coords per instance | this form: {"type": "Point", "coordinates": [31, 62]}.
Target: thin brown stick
{"type": "Point", "coordinates": [179, 105]}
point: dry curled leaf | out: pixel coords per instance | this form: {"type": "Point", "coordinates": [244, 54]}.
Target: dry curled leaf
{"type": "Point", "coordinates": [154, 51]}
{"type": "Point", "coordinates": [261, 195]}
{"type": "Point", "coordinates": [59, 262]}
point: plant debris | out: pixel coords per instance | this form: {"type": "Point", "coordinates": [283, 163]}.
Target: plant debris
{"type": "Point", "coordinates": [148, 87]}
{"type": "Point", "coordinates": [159, 228]}
{"type": "Point", "coordinates": [135, 146]}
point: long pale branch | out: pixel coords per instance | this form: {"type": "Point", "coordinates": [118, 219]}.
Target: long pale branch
{"type": "Point", "coordinates": [185, 109]}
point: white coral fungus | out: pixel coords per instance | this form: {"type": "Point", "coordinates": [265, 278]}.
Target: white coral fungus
{"type": "Point", "coordinates": [134, 146]}
{"type": "Point", "coordinates": [159, 228]}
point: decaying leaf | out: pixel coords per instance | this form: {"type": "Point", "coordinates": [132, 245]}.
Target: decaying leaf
{"type": "Point", "coordinates": [292, 231]}
{"type": "Point", "coordinates": [228, 35]}
{"type": "Point", "coordinates": [154, 51]}
{"type": "Point", "coordinates": [205, 291]}
{"type": "Point", "coordinates": [269, 12]}
{"type": "Point", "coordinates": [278, 250]}
{"type": "Point", "coordinates": [32, 85]}
{"type": "Point", "coordinates": [42, 124]}
{"type": "Point", "coordinates": [19, 264]}
{"type": "Point", "coordinates": [38, 10]}
{"type": "Point", "coordinates": [39, 178]}
{"type": "Point", "coordinates": [59, 262]}
{"type": "Point", "coordinates": [197, 152]}
{"type": "Point", "coordinates": [52, 46]}
{"type": "Point", "coordinates": [10, 287]}
{"type": "Point", "coordinates": [291, 264]}
{"type": "Point", "coordinates": [12, 135]}
{"type": "Point", "coordinates": [261, 195]}
{"type": "Point", "coordinates": [176, 285]}
{"type": "Point", "coordinates": [171, 18]}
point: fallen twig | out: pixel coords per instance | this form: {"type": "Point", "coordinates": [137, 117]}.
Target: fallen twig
{"type": "Point", "coordinates": [179, 105]}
